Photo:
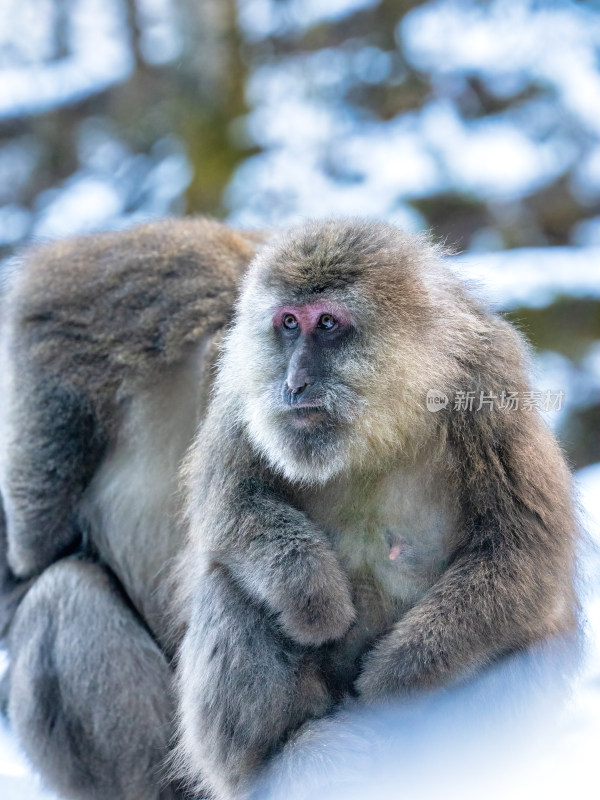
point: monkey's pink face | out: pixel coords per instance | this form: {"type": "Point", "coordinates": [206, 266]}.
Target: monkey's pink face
{"type": "Point", "coordinates": [310, 337]}
{"type": "Point", "coordinates": [306, 400]}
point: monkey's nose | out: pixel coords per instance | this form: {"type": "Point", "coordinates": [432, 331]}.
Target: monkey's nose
{"type": "Point", "coordinates": [297, 381]}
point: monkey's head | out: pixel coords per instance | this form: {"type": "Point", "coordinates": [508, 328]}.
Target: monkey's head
{"type": "Point", "coordinates": [334, 345]}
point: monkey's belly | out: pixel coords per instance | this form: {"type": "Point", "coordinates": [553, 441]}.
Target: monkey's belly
{"type": "Point", "coordinates": [132, 505]}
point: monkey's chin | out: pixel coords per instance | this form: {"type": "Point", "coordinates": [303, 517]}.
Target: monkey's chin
{"type": "Point", "coordinates": [306, 470]}
{"type": "Point", "coordinates": [306, 448]}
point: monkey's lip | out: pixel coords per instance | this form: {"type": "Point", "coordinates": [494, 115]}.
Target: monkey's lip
{"type": "Point", "coordinates": [306, 405]}
{"type": "Point", "coordinates": [304, 413]}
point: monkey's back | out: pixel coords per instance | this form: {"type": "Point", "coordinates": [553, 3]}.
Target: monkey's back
{"type": "Point", "coordinates": [96, 309]}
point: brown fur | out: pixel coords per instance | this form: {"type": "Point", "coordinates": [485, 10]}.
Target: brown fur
{"type": "Point", "coordinates": [119, 307]}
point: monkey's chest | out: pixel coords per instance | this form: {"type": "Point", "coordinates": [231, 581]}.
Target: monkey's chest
{"type": "Point", "coordinates": [390, 564]}
{"type": "Point", "coordinates": [390, 569]}
{"type": "Point", "coordinates": [393, 540]}
{"type": "Point", "coordinates": [398, 562]}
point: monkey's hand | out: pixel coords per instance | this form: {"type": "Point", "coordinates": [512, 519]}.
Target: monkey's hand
{"type": "Point", "coordinates": [301, 583]}
{"type": "Point", "coordinates": [313, 599]}
{"type": "Point", "coordinates": [392, 668]}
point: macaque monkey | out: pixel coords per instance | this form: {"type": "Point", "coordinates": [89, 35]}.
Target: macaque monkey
{"type": "Point", "coordinates": [255, 497]}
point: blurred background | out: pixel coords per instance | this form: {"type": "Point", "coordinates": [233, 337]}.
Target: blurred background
{"type": "Point", "coordinates": [477, 120]}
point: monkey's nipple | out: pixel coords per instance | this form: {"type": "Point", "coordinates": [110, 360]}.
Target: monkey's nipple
{"type": "Point", "coordinates": [395, 546]}
{"type": "Point", "coordinates": [394, 552]}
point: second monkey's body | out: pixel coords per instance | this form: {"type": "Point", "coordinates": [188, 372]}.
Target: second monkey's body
{"type": "Point", "coordinates": [109, 351]}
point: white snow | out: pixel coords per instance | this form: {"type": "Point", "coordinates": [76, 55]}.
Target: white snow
{"type": "Point", "coordinates": [531, 276]}
{"type": "Point", "coordinates": [554, 43]}
{"type": "Point", "coordinates": [14, 223]}
{"type": "Point", "coordinates": [491, 157]}
{"type": "Point", "coordinates": [83, 204]}
{"type": "Point", "coordinates": [161, 39]}
{"type": "Point", "coordinates": [300, 117]}
{"type": "Point", "coordinates": [260, 18]}
{"type": "Point", "coordinates": [99, 56]}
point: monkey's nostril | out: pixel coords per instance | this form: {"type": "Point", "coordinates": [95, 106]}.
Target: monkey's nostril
{"type": "Point", "coordinates": [295, 388]}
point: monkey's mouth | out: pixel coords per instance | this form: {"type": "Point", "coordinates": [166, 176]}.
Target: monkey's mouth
{"type": "Point", "coordinates": [307, 414]}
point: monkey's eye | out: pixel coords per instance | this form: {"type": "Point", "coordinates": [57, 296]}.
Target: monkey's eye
{"type": "Point", "coordinates": [327, 321]}
{"type": "Point", "coordinates": [290, 322]}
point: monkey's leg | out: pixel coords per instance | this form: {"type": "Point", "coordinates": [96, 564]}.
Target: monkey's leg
{"type": "Point", "coordinates": [90, 694]}
{"type": "Point", "coordinates": [243, 688]}
{"type": "Point", "coordinates": [55, 445]}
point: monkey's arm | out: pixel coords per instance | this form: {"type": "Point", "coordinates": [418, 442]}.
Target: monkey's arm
{"type": "Point", "coordinates": [270, 549]}
{"type": "Point", "coordinates": [283, 561]}
{"type": "Point", "coordinates": [55, 446]}
{"type": "Point", "coordinates": [510, 583]}
{"type": "Point", "coordinates": [242, 687]}
{"type": "Point", "coordinates": [260, 581]}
